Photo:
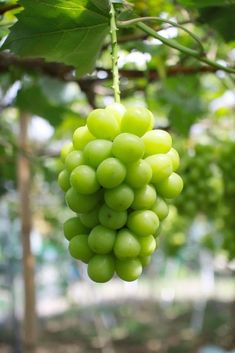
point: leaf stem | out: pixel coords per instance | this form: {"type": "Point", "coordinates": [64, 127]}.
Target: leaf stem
{"type": "Point", "coordinates": [113, 31]}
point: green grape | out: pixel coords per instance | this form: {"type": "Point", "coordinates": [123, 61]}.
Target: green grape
{"type": "Point", "coordinates": [161, 209]}
{"type": "Point", "coordinates": [80, 203]}
{"type": "Point", "coordinates": [126, 245]}
{"type": "Point", "coordinates": [73, 226]}
{"type": "Point", "coordinates": [101, 239]}
{"type": "Point", "coordinates": [73, 160]}
{"type": "Point", "coordinates": [161, 167]}
{"type": "Point", "coordinates": [63, 180]}
{"type": "Point", "coordinates": [129, 269]}
{"type": "Point", "coordinates": [119, 198]}
{"type": "Point", "coordinates": [96, 151]}
{"type": "Point", "coordinates": [81, 137]}
{"type": "Point", "coordinates": [112, 219]}
{"type": "Point", "coordinates": [175, 158]}
{"type": "Point", "coordinates": [170, 187]}
{"type": "Point", "coordinates": [79, 248]}
{"type": "Point", "coordinates": [117, 110]}
{"type": "Point", "coordinates": [136, 120]}
{"type": "Point", "coordinates": [66, 149]}
{"type": "Point", "coordinates": [138, 174]}
{"type": "Point", "coordinates": [90, 219]}
{"type": "Point", "coordinates": [110, 173]}
{"type": "Point", "coordinates": [101, 268]}
{"type": "Point", "coordinates": [143, 223]}
{"type": "Point", "coordinates": [83, 180]}
{"type": "Point", "coordinates": [147, 245]}
{"type": "Point", "coordinates": [144, 198]}
{"type": "Point", "coordinates": [102, 124]}
{"type": "Point", "coordinates": [128, 148]}
{"type": "Point", "coordinates": [145, 260]}
{"type": "Point", "coordinates": [158, 232]}
{"type": "Point", "coordinates": [157, 141]}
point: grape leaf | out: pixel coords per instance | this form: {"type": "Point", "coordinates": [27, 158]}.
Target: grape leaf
{"type": "Point", "coordinates": [67, 31]}
{"type": "Point", "coordinates": [221, 19]}
{"type": "Point", "coordinates": [33, 100]}
{"type": "Point", "coordinates": [206, 3]}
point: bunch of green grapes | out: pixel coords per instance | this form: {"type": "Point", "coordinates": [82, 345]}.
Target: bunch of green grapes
{"type": "Point", "coordinates": [118, 174]}
{"type": "Point", "coordinates": [227, 166]}
{"type": "Point", "coordinates": [202, 183]}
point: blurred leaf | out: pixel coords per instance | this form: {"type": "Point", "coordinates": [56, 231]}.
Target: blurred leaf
{"type": "Point", "coordinates": [206, 3]}
{"type": "Point", "coordinates": [221, 19]}
{"type": "Point", "coordinates": [63, 31]}
{"type": "Point", "coordinates": [182, 96]}
{"type": "Point", "coordinates": [33, 100]}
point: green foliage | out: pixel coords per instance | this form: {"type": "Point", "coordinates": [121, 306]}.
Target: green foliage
{"type": "Point", "coordinates": [221, 19]}
{"type": "Point", "coordinates": [33, 100]}
{"type": "Point", "coordinates": [206, 3]}
{"type": "Point", "coordinates": [181, 95]}
{"type": "Point", "coordinates": [62, 31]}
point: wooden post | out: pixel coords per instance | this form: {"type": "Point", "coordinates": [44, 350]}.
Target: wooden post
{"type": "Point", "coordinates": [24, 184]}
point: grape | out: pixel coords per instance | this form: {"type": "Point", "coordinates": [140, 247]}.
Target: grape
{"type": "Point", "coordinates": [147, 245]}
{"type": "Point", "coordinates": [81, 137]}
{"type": "Point", "coordinates": [161, 167]}
{"type": "Point", "coordinates": [145, 260]}
{"type": "Point", "coordinates": [102, 124]}
{"type": "Point", "coordinates": [136, 120]}
{"type": "Point", "coordinates": [73, 226]}
{"type": "Point", "coordinates": [101, 268]}
{"type": "Point", "coordinates": [63, 180]}
{"type": "Point", "coordinates": [112, 219]}
{"type": "Point", "coordinates": [90, 219]}
{"type": "Point", "coordinates": [73, 159]}
{"type": "Point", "coordinates": [117, 110]}
{"type": "Point", "coordinates": [157, 141]}
{"type": "Point", "coordinates": [160, 208]}
{"type": "Point", "coordinates": [144, 198]}
{"type": "Point", "coordinates": [138, 174]}
{"type": "Point", "coordinates": [119, 198]}
{"type": "Point", "coordinates": [170, 187]}
{"type": "Point", "coordinates": [113, 175]}
{"type": "Point", "coordinates": [110, 173]}
{"type": "Point", "coordinates": [175, 159]}
{"type": "Point", "coordinates": [143, 223]}
{"type": "Point", "coordinates": [81, 203]}
{"type": "Point", "coordinates": [66, 149]}
{"type": "Point", "coordinates": [79, 248]}
{"type": "Point", "coordinates": [126, 245]}
{"type": "Point", "coordinates": [128, 148]}
{"type": "Point", "coordinates": [96, 151]}
{"type": "Point", "coordinates": [129, 269]}
{"type": "Point", "coordinates": [83, 180]}
{"type": "Point", "coordinates": [101, 239]}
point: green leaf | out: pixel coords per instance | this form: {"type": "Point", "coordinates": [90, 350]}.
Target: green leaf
{"type": "Point", "coordinates": [67, 31]}
{"type": "Point", "coordinates": [33, 100]}
{"type": "Point", "coordinates": [206, 3]}
{"type": "Point", "coordinates": [221, 19]}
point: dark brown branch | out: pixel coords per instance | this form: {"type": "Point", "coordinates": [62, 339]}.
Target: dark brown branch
{"type": "Point", "coordinates": [67, 73]}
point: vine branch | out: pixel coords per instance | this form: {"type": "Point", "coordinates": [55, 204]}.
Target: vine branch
{"type": "Point", "coordinates": [199, 55]}
{"type": "Point", "coordinates": [113, 31]}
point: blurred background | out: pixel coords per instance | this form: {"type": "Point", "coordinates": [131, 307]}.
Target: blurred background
{"type": "Point", "coordinates": [185, 300]}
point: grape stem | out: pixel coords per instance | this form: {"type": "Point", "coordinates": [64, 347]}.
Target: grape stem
{"type": "Point", "coordinates": [113, 31]}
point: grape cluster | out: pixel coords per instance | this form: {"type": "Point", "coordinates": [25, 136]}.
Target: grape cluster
{"type": "Point", "coordinates": [202, 183]}
{"type": "Point", "coordinates": [118, 173]}
{"type": "Point", "coordinates": [227, 166]}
